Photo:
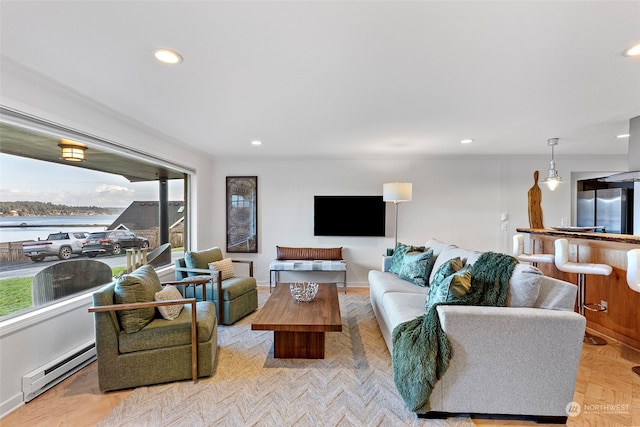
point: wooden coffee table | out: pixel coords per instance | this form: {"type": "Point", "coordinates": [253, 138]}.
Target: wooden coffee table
{"type": "Point", "coordinates": [299, 327]}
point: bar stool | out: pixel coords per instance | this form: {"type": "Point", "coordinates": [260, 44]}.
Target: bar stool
{"type": "Point", "coordinates": [582, 268]}
{"type": "Point", "coordinates": [534, 259]}
{"type": "Point", "coordinates": [633, 280]}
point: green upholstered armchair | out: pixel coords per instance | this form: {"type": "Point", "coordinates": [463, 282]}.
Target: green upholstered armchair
{"type": "Point", "coordinates": [137, 346]}
{"type": "Point", "coordinates": [239, 294]}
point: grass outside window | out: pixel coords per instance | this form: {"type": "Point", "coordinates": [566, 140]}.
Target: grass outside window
{"type": "Point", "coordinates": [15, 293]}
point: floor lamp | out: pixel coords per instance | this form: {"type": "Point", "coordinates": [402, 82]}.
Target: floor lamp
{"type": "Point", "coordinates": [396, 192]}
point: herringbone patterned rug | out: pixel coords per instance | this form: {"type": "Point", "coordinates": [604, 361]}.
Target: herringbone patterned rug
{"type": "Point", "coordinates": [352, 386]}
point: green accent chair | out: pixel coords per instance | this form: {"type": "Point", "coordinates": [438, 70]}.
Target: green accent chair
{"type": "Point", "coordinates": [239, 294]}
{"type": "Point", "coordinates": [160, 350]}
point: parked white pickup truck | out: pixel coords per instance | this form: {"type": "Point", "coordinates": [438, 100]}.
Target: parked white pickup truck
{"type": "Point", "coordinates": [62, 245]}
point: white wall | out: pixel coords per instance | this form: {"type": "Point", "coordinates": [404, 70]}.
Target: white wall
{"type": "Point", "coordinates": [38, 338]}
{"type": "Point", "coordinates": [458, 200]}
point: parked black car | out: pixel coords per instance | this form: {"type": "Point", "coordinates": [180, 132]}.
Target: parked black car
{"type": "Point", "coordinates": [112, 241]}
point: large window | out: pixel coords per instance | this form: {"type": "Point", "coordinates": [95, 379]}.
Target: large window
{"type": "Point", "coordinates": [52, 206]}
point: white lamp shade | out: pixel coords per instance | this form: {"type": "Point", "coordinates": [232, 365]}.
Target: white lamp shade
{"type": "Point", "coordinates": [397, 192]}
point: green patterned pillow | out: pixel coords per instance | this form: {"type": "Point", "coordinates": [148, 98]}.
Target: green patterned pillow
{"type": "Point", "coordinates": [445, 270]}
{"type": "Point", "coordinates": [416, 267]}
{"type": "Point", "coordinates": [398, 257]}
{"type": "Point", "coordinates": [453, 287]}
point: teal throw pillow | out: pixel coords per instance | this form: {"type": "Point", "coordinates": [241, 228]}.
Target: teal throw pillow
{"type": "Point", "coordinates": [138, 286]}
{"type": "Point", "coordinates": [416, 267]}
{"type": "Point", "coordinates": [445, 270]}
{"type": "Point", "coordinates": [398, 257]}
{"type": "Point", "coordinates": [453, 287]}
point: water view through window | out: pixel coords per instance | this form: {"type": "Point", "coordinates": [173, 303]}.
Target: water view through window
{"type": "Point", "coordinates": [48, 210]}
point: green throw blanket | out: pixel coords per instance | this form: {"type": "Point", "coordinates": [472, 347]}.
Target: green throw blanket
{"type": "Point", "coordinates": [421, 350]}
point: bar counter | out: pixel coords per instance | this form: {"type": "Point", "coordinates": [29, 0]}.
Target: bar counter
{"type": "Point", "coordinates": [622, 319]}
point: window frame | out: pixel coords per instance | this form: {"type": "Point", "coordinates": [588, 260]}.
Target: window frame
{"type": "Point", "coordinates": [33, 124]}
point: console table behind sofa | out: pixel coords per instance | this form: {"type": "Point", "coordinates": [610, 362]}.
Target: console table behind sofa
{"type": "Point", "coordinates": [316, 260]}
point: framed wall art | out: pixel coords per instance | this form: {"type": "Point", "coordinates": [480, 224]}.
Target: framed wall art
{"type": "Point", "coordinates": [242, 214]}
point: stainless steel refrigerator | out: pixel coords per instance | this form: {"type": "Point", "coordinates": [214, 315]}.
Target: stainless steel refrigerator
{"type": "Point", "coordinates": [604, 208]}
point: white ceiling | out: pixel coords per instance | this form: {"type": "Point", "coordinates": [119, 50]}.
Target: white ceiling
{"type": "Point", "coordinates": [354, 78]}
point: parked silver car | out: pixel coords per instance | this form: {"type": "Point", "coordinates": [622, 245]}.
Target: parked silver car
{"type": "Point", "coordinates": [113, 241]}
{"type": "Point", "coordinates": [62, 245]}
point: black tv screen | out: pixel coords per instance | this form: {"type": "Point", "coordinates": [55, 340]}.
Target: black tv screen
{"type": "Point", "coordinates": [348, 216]}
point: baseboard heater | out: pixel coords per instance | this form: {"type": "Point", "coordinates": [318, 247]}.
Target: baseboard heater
{"type": "Point", "coordinates": [42, 379]}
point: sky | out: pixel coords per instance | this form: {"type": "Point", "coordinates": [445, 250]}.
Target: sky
{"type": "Point", "coordinates": [23, 179]}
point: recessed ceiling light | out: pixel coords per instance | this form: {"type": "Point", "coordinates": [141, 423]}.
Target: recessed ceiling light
{"type": "Point", "coordinates": [256, 142]}
{"type": "Point", "coordinates": [633, 50]}
{"type": "Point", "coordinates": [466, 141]}
{"type": "Point", "coordinates": [624, 135]}
{"type": "Point", "coordinates": [167, 56]}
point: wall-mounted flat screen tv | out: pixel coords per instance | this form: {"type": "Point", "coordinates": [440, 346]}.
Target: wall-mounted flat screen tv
{"type": "Point", "coordinates": [348, 216]}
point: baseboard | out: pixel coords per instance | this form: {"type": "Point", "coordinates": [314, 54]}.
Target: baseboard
{"type": "Point", "coordinates": [10, 405]}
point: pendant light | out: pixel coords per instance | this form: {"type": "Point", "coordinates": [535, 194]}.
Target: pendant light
{"type": "Point", "coordinates": [553, 179]}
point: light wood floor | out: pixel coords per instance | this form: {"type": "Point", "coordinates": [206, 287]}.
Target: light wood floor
{"type": "Point", "coordinates": [606, 390]}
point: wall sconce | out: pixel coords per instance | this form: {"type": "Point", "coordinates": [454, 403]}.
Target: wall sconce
{"type": "Point", "coordinates": [553, 179]}
{"type": "Point", "coordinates": [72, 151]}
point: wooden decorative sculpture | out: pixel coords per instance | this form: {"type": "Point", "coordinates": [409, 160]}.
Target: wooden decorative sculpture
{"type": "Point", "coordinates": [535, 210]}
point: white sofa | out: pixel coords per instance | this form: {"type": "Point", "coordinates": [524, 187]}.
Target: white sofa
{"type": "Point", "coordinates": [519, 360]}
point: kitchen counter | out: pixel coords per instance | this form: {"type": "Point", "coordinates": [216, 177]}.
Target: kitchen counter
{"type": "Point", "coordinates": [590, 235]}
{"type": "Point", "coordinates": [622, 319]}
